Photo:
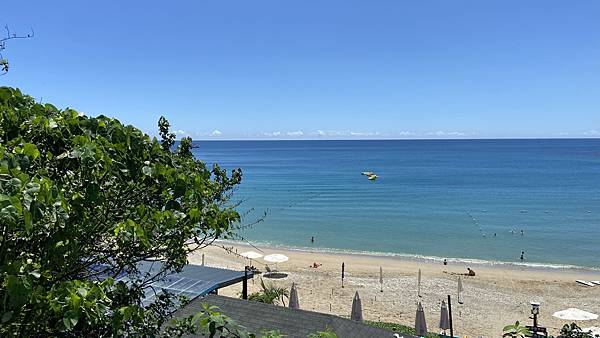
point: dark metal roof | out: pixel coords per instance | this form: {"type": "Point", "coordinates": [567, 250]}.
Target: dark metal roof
{"type": "Point", "coordinates": [193, 281]}
{"type": "Point", "coordinates": [293, 323]}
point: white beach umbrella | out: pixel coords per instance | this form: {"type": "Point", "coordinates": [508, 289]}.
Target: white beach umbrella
{"type": "Point", "coordinates": [356, 313]}
{"type": "Point", "coordinates": [251, 254]}
{"type": "Point", "coordinates": [575, 314]}
{"type": "Point", "coordinates": [294, 298]}
{"type": "Point", "coordinates": [276, 258]}
{"type": "Point", "coordinates": [420, 325]}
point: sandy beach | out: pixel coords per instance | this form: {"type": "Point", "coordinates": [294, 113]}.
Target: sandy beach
{"type": "Point", "coordinates": [495, 297]}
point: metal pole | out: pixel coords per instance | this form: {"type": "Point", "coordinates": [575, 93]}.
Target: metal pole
{"type": "Point", "coordinates": [203, 259]}
{"type": "Point", "coordinates": [245, 284]}
{"type": "Point", "coordinates": [450, 315]}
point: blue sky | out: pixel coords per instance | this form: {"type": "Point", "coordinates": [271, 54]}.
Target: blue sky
{"type": "Point", "coordinates": [317, 69]}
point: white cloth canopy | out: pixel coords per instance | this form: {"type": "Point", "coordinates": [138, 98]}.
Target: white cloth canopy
{"type": "Point", "coordinates": [251, 254]}
{"type": "Point", "coordinates": [276, 258]}
{"type": "Point", "coordinates": [575, 314]}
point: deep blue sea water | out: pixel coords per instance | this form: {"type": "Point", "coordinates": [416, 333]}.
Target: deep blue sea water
{"type": "Point", "coordinates": [434, 198]}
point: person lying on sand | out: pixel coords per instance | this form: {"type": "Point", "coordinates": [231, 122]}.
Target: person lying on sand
{"type": "Point", "coordinates": [470, 272]}
{"type": "Point", "coordinates": [315, 265]}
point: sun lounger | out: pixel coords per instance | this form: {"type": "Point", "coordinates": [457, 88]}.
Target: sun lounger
{"type": "Point", "coordinates": [582, 282]}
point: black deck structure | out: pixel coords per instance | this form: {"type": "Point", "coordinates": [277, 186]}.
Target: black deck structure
{"type": "Point", "coordinates": [293, 323]}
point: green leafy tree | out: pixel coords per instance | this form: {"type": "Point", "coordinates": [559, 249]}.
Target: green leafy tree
{"type": "Point", "coordinates": [516, 331]}
{"type": "Point", "coordinates": [269, 293]}
{"type": "Point", "coordinates": [574, 331]}
{"type": "Point", "coordinates": [84, 200]}
{"type": "Point", "coordinates": [328, 333]}
{"type": "Point", "coordinates": [4, 65]}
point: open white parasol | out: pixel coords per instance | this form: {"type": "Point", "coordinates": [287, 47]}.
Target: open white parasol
{"type": "Point", "coordinates": [575, 314]}
{"type": "Point", "coordinates": [251, 254]}
{"type": "Point", "coordinates": [276, 258]}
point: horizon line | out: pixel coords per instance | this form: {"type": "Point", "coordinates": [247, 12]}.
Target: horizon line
{"type": "Point", "coordinates": [404, 139]}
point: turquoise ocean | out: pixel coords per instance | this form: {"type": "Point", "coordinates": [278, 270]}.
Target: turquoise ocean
{"type": "Point", "coordinates": [462, 199]}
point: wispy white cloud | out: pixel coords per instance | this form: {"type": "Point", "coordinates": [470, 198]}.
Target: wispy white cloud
{"type": "Point", "coordinates": [296, 133]}
{"type": "Point", "coordinates": [592, 132]}
{"type": "Point", "coordinates": [441, 133]}
{"type": "Point", "coordinates": [180, 133]}
{"type": "Point", "coordinates": [270, 134]}
{"type": "Point", "coordinates": [364, 134]}
{"type": "Point", "coordinates": [216, 132]}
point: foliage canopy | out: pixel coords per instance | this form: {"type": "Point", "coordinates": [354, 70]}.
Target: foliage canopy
{"type": "Point", "coordinates": [85, 199]}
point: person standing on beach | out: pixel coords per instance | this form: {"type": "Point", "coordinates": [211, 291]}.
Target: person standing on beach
{"type": "Point", "coordinates": [522, 255]}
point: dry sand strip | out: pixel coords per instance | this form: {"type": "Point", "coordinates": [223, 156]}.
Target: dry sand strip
{"type": "Point", "coordinates": [495, 297]}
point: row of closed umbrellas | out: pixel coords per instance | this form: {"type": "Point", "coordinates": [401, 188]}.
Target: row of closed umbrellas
{"type": "Point", "coordinates": [357, 312]}
{"type": "Point", "coordinates": [420, 323]}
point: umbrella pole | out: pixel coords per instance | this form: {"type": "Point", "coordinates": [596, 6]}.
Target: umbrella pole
{"type": "Point", "coordinates": [450, 317]}
{"type": "Point", "coordinates": [245, 284]}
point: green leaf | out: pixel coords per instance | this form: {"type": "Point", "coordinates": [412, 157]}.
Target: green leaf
{"type": "Point", "coordinates": [82, 291]}
{"type": "Point", "coordinates": [70, 319]}
{"type": "Point", "coordinates": [32, 188]}
{"type": "Point", "coordinates": [6, 316]}
{"type": "Point", "coordinates": [75, 153]}
{"type": "Point", "coordinates": [146, 170]}
{"type": "Point", "coordinates": [31, 151]}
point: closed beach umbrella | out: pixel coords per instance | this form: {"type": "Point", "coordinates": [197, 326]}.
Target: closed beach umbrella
{"type": "Point", "coordinates": [381, 278]}
{"type": "Point", "coordinates": [294, 298]}
{"type": "Point", "coordinates": [444, 322]}
{"type": "Point", "coordinates": [419, 283]}
{"type": "Point", "coordinates": [575, 314]}
{"type": "Point", "coordinates": [343, 268]}
{"type": "Point", "coordinates": [420, 325]}
{"type": "Point", "coordinates": [356, 313]}
{"type": "Point", "coordinates": [460, 288]}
